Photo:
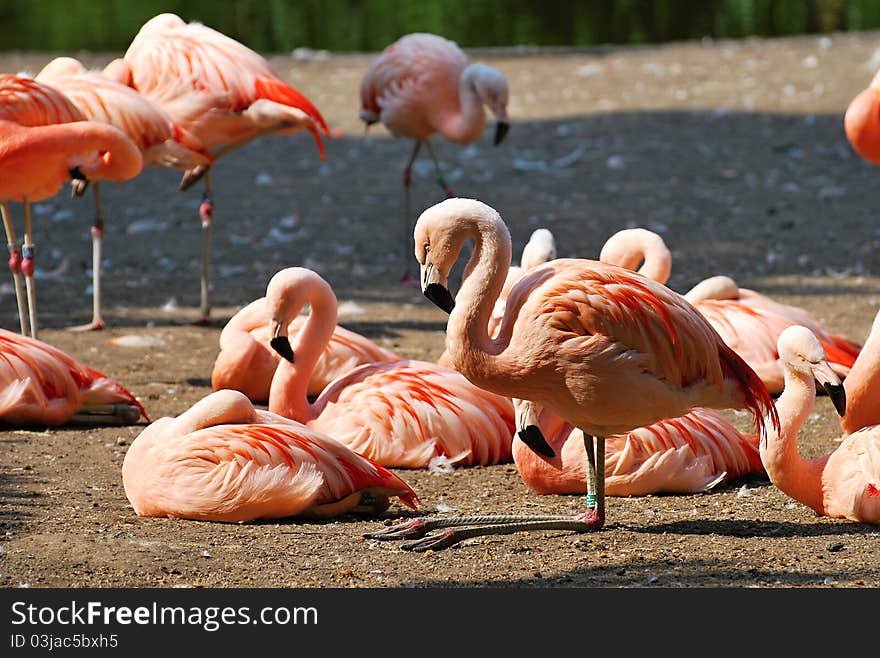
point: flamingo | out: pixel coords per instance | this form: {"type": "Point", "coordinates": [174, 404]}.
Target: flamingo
{"type": "Point", "coordinates": [862, 385]}
{"type": "Point", "coordinates": [223, 460]}
{"type": "Point", "coordinates": [35, 160]}
{"type": "Point", "coordinates": [41, 385]}
{"type": "Point", "coordinates": [843, 484]}
{"type": "Point", "coordinates": [400, 413]}
{"type": "Point", "coordinates": [748, 321]}
{"type": "Point", "coordinates": [247, 362]}
{"type": "Point", "coordinates": [603, 347]}
{"type": "Point", "coordinates": [219, 90]}
{"type": "Point", "coordinates": [861, 122]}
{"type": "Point", "coordinates": [424, 84]}
{"type": "Point", "coordinates": [160, 140]}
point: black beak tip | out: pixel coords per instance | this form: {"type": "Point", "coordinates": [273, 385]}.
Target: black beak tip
{"type": "Point", "coordinates": [501, 129]}
{"type": "Point", "coordinates": [532, 436]}
{"type": "Point", "coordinates": [440, 296]}
{"type": "Point", "coordinates": [281, 344]}
{"type": "Point", "coordinates": [838, 397]}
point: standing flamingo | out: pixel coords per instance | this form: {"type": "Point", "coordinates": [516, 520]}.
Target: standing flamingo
{"type": "Point", "coordinates": [35, 161]}
{"type": "Point", "coordinates": [29, 103]}
{"type": "Point", "coordinates": [400, 413]}
{"type": "Point", "coordinates": [424, 84]}
{"type": "Point", "coordinates": [223, 460]}
{"type": "Point", "coordinates": [41, 385]}
{"type": "Point", "coordinates": [160, 140]}
{"type": "Point", "coordinates": [607, 349]}
{"type": "Point", "coordinates": [749, 322]}
{"type": "Point", "coordinates": [219, 90]}
{"type": "Point", "coordinates": [844, 483]}
{"type": "Point", "coordinates": [247, 362]}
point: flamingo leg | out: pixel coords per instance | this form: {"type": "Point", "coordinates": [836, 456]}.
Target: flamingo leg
{"type": "Point", "coordinates": [107, 414]}
{"type": "Point", "coordinates": [406, 255]}
{"type": "Point", "coordinates": [15, 265]}
{"type": "Point", "coordinates": [440, 180]}
{"type": "Point", "coordinates": [206, 213]}
{"type": "Point", "coordinates": [457, 528]}
{"type": "Point", "coordinates": [97, 322]}
{"type": "Point", "coordinates": [27, 267]}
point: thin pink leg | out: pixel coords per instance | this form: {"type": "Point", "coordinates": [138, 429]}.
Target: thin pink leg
{"type": "Point", "coordinates": [97, 231]}
{"type": "Point", "coordinates": [15, 266]}
{"type": "Point", "coordinates": [206, 213]}
{"type": "Point", "coordinates": [440, 180]}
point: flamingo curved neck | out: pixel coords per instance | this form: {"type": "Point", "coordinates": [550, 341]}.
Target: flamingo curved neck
{"type": "Point", "coordinates": [288, 393]}
{"type": "Point", "coordinates": [466, 125]}
{"type": "Point", "coordinates": [797, 477]}
{"type": "Point", "coordinates": [467, 333]}
{"type": "Point", "coordinates": [862, 385]}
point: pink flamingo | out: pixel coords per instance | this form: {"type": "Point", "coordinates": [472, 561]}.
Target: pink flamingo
{"type": "Point", "coordinates": [41, 385]}
{"type": "Point", "coordinates": [219, 90]}
{"type": "Point", "coordinates": [424, 84]}
{"type": "Point", "coordinates": [400, 413]}
{"type": "Point", "coordinates": [749, 322]}
{"type": "Point", "coordinates": [605, 348]}
{"type": "Point", "coordinates": [844, 483]}
{"type": "Point", "coordinates": [247, 362]}
{"type": "Point", "coordinates": [160, 140]}
{"type": "Point", "coordinates": [862, 122]}
{"type": "Point", "coordinates": [223, 460]}
{"type": "Point", "coordinates": [36, 159]}
{"type": "Point", "coordinates": [862, 385]}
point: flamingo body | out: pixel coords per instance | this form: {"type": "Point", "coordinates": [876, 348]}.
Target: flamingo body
{"type": "Point", "coordinates": [223, 460]}
{"type": "Point", "coordinates": [40, 384]}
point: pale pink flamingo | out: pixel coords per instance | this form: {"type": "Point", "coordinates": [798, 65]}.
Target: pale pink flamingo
{"type": "Point", "coordinates": [862, 385]}
{"type": "Point", "coordinates": [424, 84]}
{"type": "Point", "coordinates": [400, 413]}
{"type": "Point", "coordinates": [607, 349]}
{"type": "Point", "coordinates": [861, 122]}
{"type": "Point", "coordinates": [219, 90]}
{"type": "Point", "coordinates": [247, 362]}
{"type": "Point", "coordinates": [845, 483]}
{"type": "Point", "coordinates": [41, 385]}
{"type": "Point", "coordinates": [160, 140]}
{"type": "Point", "coordinates": [36, 160]}
{"type": "Point", "coordinates": [748, 321]}
{"type": "Point", "coordinates": [223, 460]}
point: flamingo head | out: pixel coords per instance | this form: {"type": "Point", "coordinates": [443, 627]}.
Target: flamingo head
{"type": "Point", "coordinates": [862, 124]}
{"type": "Point", "coordinates": [491, 87]}
{"type": "Point", "coordinates": [802, 354]}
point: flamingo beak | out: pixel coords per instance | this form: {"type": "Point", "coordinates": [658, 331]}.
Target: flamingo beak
{"type": "Point", "coordinates": [435, 288]}
{"type": "Point", "coordinates": [191, 176]}
{"type": "Point", "coordinates": [279, 341]}
{"type": "Point", "coordinates": [501, 129]}
{"type": "Point", "coordinates": [829, 381]}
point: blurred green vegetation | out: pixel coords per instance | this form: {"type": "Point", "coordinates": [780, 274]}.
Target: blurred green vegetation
{"type": "Point", "coordinates": [369, 25]}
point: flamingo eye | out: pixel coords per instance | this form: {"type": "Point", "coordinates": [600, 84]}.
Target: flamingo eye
{"type": "Point", "coordinates": [427, 247]}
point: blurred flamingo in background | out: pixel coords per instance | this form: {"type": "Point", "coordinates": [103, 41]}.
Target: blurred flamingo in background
{"type": "Point", "coordinates": [223, 460]}
{"type": "Point", "coordinates": [845, 483]}
{"type": "Point", "coordinates": [37, 158]}
{"type": "Point", "coordinates": [605, 348]}
{"type": "Point", "coordinates": [41, 385]}
{"type": "Point", "coordinates": [399, 414]}
{"type": "Point", "coordinates": [247, 362]}
{"type": "Point", "coordinates": [160, 140]}
{"type": "Point", "coordinates": [424, 84]}
{"type": "Point", "coordinates": [861, 122]}
{"type": "Point", "coordinates": [219, 90]}
{"type": "Point", "coordinates": [749, 322]}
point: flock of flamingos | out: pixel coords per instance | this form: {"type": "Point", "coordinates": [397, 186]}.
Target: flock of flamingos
{"type": "Point", "coordinates": [591, 375]}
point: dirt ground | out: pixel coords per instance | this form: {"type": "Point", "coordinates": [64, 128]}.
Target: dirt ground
{"type": "Point", "coordinates": [734, 151]}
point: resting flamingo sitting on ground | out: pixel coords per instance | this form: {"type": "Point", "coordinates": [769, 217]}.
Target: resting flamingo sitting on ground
{"type": "Point", "coordinates": [219, 90]}
{"type": "Point", "coordinates": [37, 159]}
{"type": "Point", "coordinates": [247, 362]}
{"type": "Point", "coordinates": [424, 84]}
{"type": "Point", "coordinates": [160, 140]}
{"type": "Point", "coordinates": [749, 322]}
{"type": "Point", "coordinates": [400, 413]}
{"type": "Point", "coordinates": [223, 460]}
{"type": "Point", "coordinates": [41, 385]}
{"type": "Point", "coordinates": [845, 483]}
{"type": "Point", "coordinates": [605, 348]}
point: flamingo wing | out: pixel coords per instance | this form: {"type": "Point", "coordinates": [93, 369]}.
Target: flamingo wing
{"type": "Point", "coordinates": [32, 103]}
{"type": "Point", "coordinates": [851, 477]}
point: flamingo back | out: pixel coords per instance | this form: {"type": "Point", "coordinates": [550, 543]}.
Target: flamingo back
{"type": "Point", "coordinates": [851, 478]}
{"type": "Point", "coordinates": [32, 103]}
{"type": "Point", "coordinates": [40, 384]}
{"type": "Point", "coordinates": [403, 414]}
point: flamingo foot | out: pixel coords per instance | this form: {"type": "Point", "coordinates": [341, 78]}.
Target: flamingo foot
{"type": "Point", "coordinates": [94, 325]}
{"type": "Point", "coordinates": [413, 529]}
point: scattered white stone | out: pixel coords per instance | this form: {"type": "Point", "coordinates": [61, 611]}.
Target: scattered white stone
{"type": "Point", "coordinates": [744, 492]}
{"type": "Point", "coordinates": [263, 179]}
{"type": "Point", "coordinates": [136, 340]}
{"type": "Point", "coordinates": [810, 62]}
{"type": "Point", "coordinates": [349, 307]}
{"type": "Point", "coordinates": [443, 464]}
{"type": "Point", "coordinates": [615, 162]}
{"type": "Point", "coordinates": [145, 225]}
{"type": "Point", "coordinates": [289, 221]}
{"type": "Point", "coordinates": [443, 508]}
{"type": "Point", "coordinates": [205, 553]}
{"type": "Point", "coordinates": [589, 70]}
{"type": "Point", "coordinates": [62, 215]}
{"type": "Point", "coordinates": [171, 305]}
